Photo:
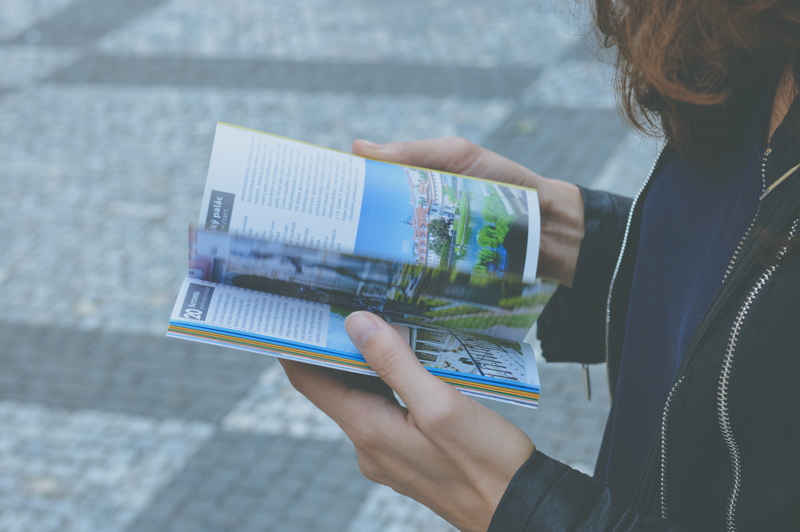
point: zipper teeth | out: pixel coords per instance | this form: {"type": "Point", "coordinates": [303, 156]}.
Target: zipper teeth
{"type": "Point", "coordinates": [746, 234]}
{"type": "Point", "coordinates": [619, 261]}
{"type": "Point", "coordinates": [724, 386]}
{"type": "Point", "coordinates": [664, 419]}
{"type": "Point", "coordinates": [730, 442]}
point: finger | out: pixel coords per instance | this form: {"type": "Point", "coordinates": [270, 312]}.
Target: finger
{"type": "Point", "coordinates": [334, 392]}
{"type": "Point", "coordinates": [368, 383]}
{"type": "Point", "coordinates": [320, 385]}
{"type": "Point", "coordinates": [450, 154]}
{"type": "Point", "coordinates": [306, 378]}
{"type": "Point", "coordinates": [388, 353]}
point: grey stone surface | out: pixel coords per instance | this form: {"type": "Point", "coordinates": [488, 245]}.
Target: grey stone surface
{"type": "Point", "coordinates": [106, 182]}
{"type": "Point", "coordinates": [243, 481]}
{"type": "Point", "coordinates": [568, 426]}
{"type": "Point", "coordinates": [303, 77]}
{"type": "Point", "coordinates": [505, 32]}
{"type": "Point", "coordinates": [626, 169]}
{"type": "Point", "coordinates": [18, 17]}
{"type": "Point", "coordinates": [85, 470]}
{"type": "Point", "coordinates": [108, 112]}
{"type": "Point", "coordinates": [82, 22]}
{"type": "Point", "coordinates": [28, 64]}
{"type": "Point", "coordinates": [580, 84]}
{"type": "Point", "coordinates": [559, 142]}
{"type": "Point", "coordinates": [272, 406]}
{"type": "Point", "coordinates": [127, 373]}
{"type": "Point", "coordinates": [385, 509]}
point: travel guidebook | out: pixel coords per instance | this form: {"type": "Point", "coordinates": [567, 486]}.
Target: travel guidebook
{"type": "Point", "coordinates": [293, 237]}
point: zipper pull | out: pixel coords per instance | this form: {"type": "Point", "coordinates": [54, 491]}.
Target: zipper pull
{"type": "Point", "coordinates": [780, 180]}
{"type": "Point", "coordinates": [587, 381]}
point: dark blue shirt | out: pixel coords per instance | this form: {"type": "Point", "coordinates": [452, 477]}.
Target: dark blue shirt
{"type": "Point", "coordinates": [692, 220]}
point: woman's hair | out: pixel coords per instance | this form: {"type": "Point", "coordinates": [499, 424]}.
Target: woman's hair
{"type": "Point", "coordinates": [694, 69]}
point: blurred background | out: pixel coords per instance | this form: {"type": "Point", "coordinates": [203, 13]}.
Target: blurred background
{"type": "Point", "coordinates": [107, 111]}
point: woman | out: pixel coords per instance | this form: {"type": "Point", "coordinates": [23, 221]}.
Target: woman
{"type": "Point", "coordinates": [692, 297]}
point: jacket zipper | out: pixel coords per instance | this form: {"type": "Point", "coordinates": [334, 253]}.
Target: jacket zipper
{"type": "Point", "coordinates": [746, 234]}
{"type": "Point", "coordinates": [619, 262]}
{"type": "Point", "coordinates": [728, 437]}
{"type": "Point", "coordinates": [724, 380]}
{"type": "Point", "coordinates": [663, 434]}
{"type": "Point", "coordinates": [724, 385]}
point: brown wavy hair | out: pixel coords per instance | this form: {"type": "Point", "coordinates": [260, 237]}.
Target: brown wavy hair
{"type": "Point", "coordinates": [692, 70]}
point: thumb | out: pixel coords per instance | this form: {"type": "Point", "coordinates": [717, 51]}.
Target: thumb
{"type": "Point", "coordinates": [453, 155]}
{"type": "Point", "coordinates": [449, 154]}
{"type": "Point", "coordinates": [389, 354]}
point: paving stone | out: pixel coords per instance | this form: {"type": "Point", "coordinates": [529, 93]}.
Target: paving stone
{"type": "Point", "coordinates": [27, 64]}
{"type": "Point", "coordinates": [575, 438]}
{"type": "Point", "coordinates": [548, 140]}
{"type": "Point", "coordinates": [440, 32]}
{"type": "Point", "coordinates": [144, 375]}
{"type": "Point", "coordinates": [383, 508]}
{"type": "Point", "coordinates": [572, 84]}
{"type": "Point", "coordinates": [266, 495]}
{"type": "Point", "coordinates": [51, 165]}
{"type": "Point", "coordinates": [108, 109]}
{"type": "Point", "coordinates": [82, 22]}
{"type": "Point", "coordinates": [294, 527]}
{"type": "Point", "coordinates": [74, 470]}
{"type": "Point", "coordinates": [305, 77]}
{"type": "Point", "coordinates": [628, 166]}
{"type": "Point", "coordinates": [19, 16]}
{"type": "Point", "coordinates": [273, 407]}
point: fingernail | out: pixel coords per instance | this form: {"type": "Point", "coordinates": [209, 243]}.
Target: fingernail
{"type": "Point", "coordinates": [360, 327]}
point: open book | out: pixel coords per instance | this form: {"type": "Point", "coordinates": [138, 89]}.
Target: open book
{"type": "Point", "coordinates": [292, 238]}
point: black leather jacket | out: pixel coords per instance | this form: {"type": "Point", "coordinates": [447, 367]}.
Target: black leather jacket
{"type": "Point", "coordinates": [727, 456]}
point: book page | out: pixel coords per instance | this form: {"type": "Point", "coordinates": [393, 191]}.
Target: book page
{"type": "Point", "coordinates": [269, 315]}
{"type": "Point", "coordinates": [292, 238]}
{"type": "Point", "coordinates": [442, 348]}
{"type": "Point", "coordinates": [314, 332]}
{"type": "Point", "coordinates": [277, 189]}
{"type": "Point", "coordinates": [273, 188]}
{"type": "Point", "coordinates": [503, 307]}
{"type": "Point", "coordinates": [440, 220]}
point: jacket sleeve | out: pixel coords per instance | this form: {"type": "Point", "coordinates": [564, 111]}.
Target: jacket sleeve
{"type": "Point", "coordinates": [548, 495]}
{"type": "Point", "coordinates": [572, 326]}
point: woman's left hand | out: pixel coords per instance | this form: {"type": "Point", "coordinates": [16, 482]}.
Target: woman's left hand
{"type": "Point", "coordinates": [442, 449]}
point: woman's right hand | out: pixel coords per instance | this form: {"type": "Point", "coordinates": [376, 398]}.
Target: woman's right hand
{"type": "Point", "coordinates": [560, 203]}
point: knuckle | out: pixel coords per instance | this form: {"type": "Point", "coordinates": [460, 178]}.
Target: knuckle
{"type": "Point", "coordinates": [463, 154]}
{"type": "Point", "coordinates": [439, 416]}
{"type": "Point", "coordinates": [293, 379]}
{"type": "Point", "coordinates": [461, 146]}
{"type": "Point", "coordinates": [365, 438]}
{"type": "Point", "coordinates": [296, 379]}
{"type": "Point", "coordinates": [368, 467]}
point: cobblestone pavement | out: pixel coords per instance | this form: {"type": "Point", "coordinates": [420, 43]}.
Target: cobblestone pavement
{"type": "Point", "coordinates": [108, 109]}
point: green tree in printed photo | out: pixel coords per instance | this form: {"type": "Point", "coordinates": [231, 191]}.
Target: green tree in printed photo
{"type": "Point", "coordinates": [439, 231]}
{"type": "Point", "coordinates": [493, 234]}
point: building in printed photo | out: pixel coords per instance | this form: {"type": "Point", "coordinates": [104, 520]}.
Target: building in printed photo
{"type": "Point", "coordinates": [430, 203]}
{"type": "Point", "coordinates": [442, 348]}
{"type": "Point", "coordinates": [338, 279]}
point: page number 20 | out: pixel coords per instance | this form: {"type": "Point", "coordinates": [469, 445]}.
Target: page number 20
{"type": "Point", "coordinates": [193, 313]}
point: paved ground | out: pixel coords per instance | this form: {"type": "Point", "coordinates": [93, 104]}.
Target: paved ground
{"type": "Point", "coordinates": [108, 109]}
